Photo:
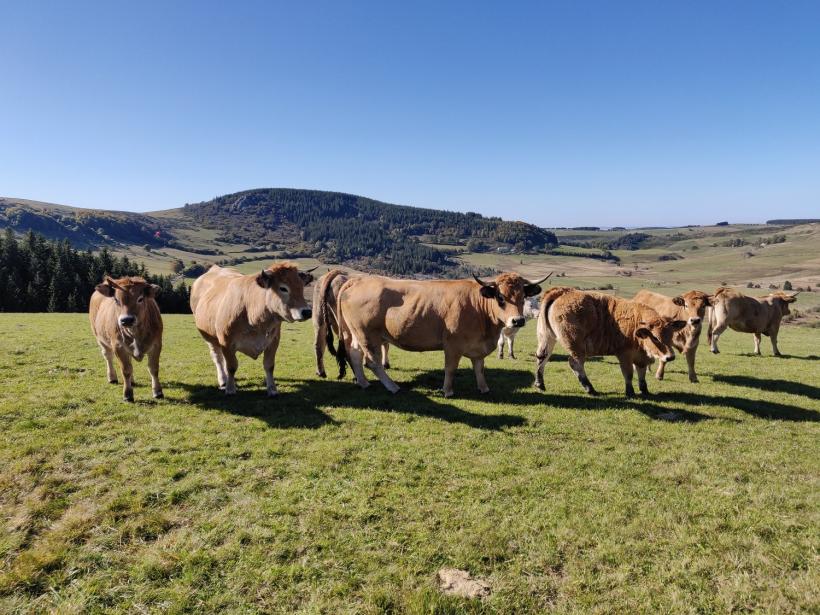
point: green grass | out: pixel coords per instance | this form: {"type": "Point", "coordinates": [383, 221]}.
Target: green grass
{"type": "Point", "coordinates": [333, 500]}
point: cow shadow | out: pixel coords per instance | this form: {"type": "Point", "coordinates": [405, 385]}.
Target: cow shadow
{"type": "Point", "coordinates": [770, 384]}
{"type": "Point", "coordinates": [763, 409]}
{"type": "Point", "coordinates": [282, 412]}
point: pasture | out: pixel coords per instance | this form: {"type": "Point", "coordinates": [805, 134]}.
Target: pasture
{"type": "Point", "coordinates": [329, 499]}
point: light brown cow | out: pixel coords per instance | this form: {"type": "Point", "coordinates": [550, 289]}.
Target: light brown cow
{"type": "Point", "coordinates": [126, 321]}
{"type": "Point", "coordinates": [244, 313]}
{"type": "Point", "coordinates": [746, 314]}
{"type": "Point", "coordinates": [592, 324]}
{"type": "Point", "coordinates": [460, 317]}
{"type": "Point", "coordinates": [690, 306]}
{"type": "Point", "coordinates": [325, 296]}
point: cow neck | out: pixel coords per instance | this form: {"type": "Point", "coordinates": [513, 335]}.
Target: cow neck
{"type": "Point", "coordinates": [488, 306]}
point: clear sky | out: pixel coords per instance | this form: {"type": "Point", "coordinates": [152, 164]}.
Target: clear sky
{"type": "Point", "coordinates": [559, 113]}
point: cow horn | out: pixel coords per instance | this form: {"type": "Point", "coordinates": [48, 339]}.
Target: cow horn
{"type": "Point", "coordinates": [110, 281]}
{"type": "Point", "coordinates": [795, 294]}
{"type": "Point", "coordinates": [480, 281]}
{"type": "Point", "coordinates": [311, 270]}
{"type": "Point", "coordinates": [543, 279]}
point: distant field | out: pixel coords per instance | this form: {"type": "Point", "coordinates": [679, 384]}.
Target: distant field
{"type": "Point", "coordinates": [329, 499]}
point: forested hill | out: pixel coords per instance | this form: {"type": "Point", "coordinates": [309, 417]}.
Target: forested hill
{"type": "Point", "coordinates": [340, 227]}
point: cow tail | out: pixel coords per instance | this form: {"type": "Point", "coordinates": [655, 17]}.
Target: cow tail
{"type": "Point", "coordinates": [320, 310]}
{"type": "Point", "coordinates": [543, 323]}
{"type": "Point", "coordinates": [341, 351]}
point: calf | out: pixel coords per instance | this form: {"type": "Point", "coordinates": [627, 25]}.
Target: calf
{"type": "Point", "coordinates": [126, 321]}
{"type": "Point", "coordinates": [691, 307]}
{"type": "Point", "coordinates": [591, 324]}
{"type": "Point", "coordinates": [244, 313]}
{"type": "Point", "coordinates": [748, 315]}
{"type": "Point", "coordinates": [508, 333]}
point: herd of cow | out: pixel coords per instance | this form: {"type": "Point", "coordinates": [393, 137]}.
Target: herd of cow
{"type": "Point", "coordinates": [464, 318]}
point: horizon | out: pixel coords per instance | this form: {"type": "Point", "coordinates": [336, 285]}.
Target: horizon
{"type": "Point", "coordinates": [593, 115]}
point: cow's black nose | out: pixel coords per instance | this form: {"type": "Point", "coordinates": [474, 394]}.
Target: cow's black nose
{"type": "Point", "coordinates": [694, 321]}
{"type": "Point", "coordinates": [127, 321]}
{"type": "Point", "coordinates": [306, 313]}
{"type": "Point", "coordinates": [519, 322]}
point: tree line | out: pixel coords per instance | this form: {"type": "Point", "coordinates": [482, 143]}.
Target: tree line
{"type": "Point", "coordinates": [39, 275]}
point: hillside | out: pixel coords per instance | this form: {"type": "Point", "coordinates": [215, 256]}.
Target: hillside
{"type": "Point", "coordinates": [328, 226]}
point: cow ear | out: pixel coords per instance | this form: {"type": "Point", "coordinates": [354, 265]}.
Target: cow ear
{"type": "Point", "coordinates": [530, 290]}
{"type": "Point", "coordinates": [152, 290]}
{"type": "Point", "coordinates": [677, 325]}
{"type": "Point", "coordinates": [105, 289]}
{"type": "Point", "coordinates": [679, 301]}
{"type": "Point", "coordinates": [306, 278]}
{"type": "Point", "coordinates": [710, 300]}
{"type": "Point", "coordinates": [489, 292]}
{"type": "Point", "coordinates": [264, 278]}
{"type": "Point", "coordinates": [643, 332]}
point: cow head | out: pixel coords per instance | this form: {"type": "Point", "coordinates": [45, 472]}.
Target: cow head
{"type": "Point", "coordinates": [286, 286]}
{"type": "Point", "coordinates": [655, 336]}
{"type": "Point", "coordinates": [130, 295]}
{"type": "Point", "coordinates": [507, 294]}
{"type": "Point", "coordinates": [694, 303]}
{"type": "Point", "coordinates": [782, 300]}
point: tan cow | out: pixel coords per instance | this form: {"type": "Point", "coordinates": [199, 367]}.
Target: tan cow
{"type": "Point", "coordinates": [244, 313]}
{"type": "Point", "coordinates": [690, 306]}
{"type": "Point", "coordinates": [460, 317]}
{"type": "Point", "coordinates": [126, 321]}
{"type": "Point", "coordinates": [325, 295]}
{"type": "Point", "coordinates": [592, 324]}
{"type": "Point", "coordinates": [746, 314]}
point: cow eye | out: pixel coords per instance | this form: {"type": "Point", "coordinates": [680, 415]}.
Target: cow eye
{"type": "Point", "coordinates": [500, 300]}
{"type": "Point", "coordinates": [284, 289]}
{"type": "Point", "coordinates": [140, 298]}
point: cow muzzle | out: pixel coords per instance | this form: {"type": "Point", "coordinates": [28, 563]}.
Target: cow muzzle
{"type": "Point", "coordinates": [127, 321]}
{"type": "Point", "coordinates": [694, 321]}
{"type": "Point", "coordinates": [301, 313]}
{"type": "Point", "coordinates": [518, 321]}
{"type": "Point", "coordinates": [669, 357]}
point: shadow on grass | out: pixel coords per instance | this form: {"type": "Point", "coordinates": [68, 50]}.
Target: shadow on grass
{"type": "Point", "coordinates": [757, 407]}
{"type": "Point", "coordinates": [301, 406]}
{"type": "Point", "coordinates": [771, 384]}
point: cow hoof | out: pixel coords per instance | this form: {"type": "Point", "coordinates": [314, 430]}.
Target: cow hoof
{"type": "Point", "coordinates": [513, 357]}
{"type": "Point", "coordinates": [659, 376]}
{"type": "Point", "coordinates": [114, 381]}
{"type": "Point", "coordinates": [321, 374]}
{"type": "Point", "coordinates": [227, 392]}
{"type": "Point", "coordinates": [646, 394]}
{"type": "Point", "coordinates": [593, 392]}
{"type": "Point", "coordinates": [484, 392]}
{"type": "Point", "coordinates": [694, 379]}
{"type": "Point", "coordinates": [159, 395]}
{"type": "Point", "coordinates": [448, 394]}
{"type": "Point", "coordinates": [539, 385]}
{"type": "Point", "coordinates": [386, 366]}
{"type": "Point", "coordinates": [714, 351]}
{"type": "Point", "coordinates": [128, 398]}
{"type": "Point", "coordinates": [273, 393]}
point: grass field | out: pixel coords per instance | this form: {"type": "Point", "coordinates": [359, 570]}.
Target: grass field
{"type": "Point", "coordinates": [329, 499]}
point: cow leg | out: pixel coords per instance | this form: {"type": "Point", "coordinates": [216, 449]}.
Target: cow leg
{"type": "Point", "coordinates": [356, 362]}
{"type": "Point", "coordinates": [231, 365]}
{"type": "Point", "coordinates": [153, 369]}
{"type": "Point", "coordinates": [219, 361]}
{"type": "Point", "coordinates": [127, 372]}
{"type": "Point", "coordinates": [319, 347]}
{"type": "Point", "coordinates": [374, 357]}
{"type": "Point", "coordinates": [385, 358]}
{"type": "Point", "coordinates": [716, 332]}
{"type": "Point", "coordinates": [690, 363]}
{"type": "Point", "coordinates": [268, 363]}
{"type": "Point", "coordinates": [108, 355]}
{"type": "Point", "coordinates": [501, 346]}
{"type": "Point", "coordinates": [546, 344]}
{"type": "Point", "coordinates": [577, 366]}
{"type": "Point", "coordinates": [451, 360]}
{"type": "Point", "coordinates": [773, 337]}
{"type": "Point", "coordinates": [641, 369]}
{"type": "Point", "coordinates": [478, 368]}
{"type": "Point", "coordinates": [510, 341]}
{"type": "Point", "coordinates": [626, 370]}
{"type": "Point", "coordinates": [661, 369]}
{"type": "Point", "coordinates": [757, 342]}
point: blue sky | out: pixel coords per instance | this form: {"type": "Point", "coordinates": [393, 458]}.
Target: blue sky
{"type": "Point", "coordinates": [562, 114]}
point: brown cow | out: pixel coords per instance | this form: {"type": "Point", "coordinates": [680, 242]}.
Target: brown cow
{"type": "Point", "coordinates": [325, 295]}
{"type": "Point", "coordinates": [461, 317]}
{"type": "Point", "coordinates": [746, 314]}
{"type": "Point", "coordinates": [244, 313]}
{"type": "Point", "coordinates": [592, 324]}
{"type": "Point", "coordinates": [691, 307]}
{"type": "Point", "coordinates": [126, 321]}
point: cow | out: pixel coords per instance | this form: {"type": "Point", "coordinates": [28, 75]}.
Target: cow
{"type": "Point", "coordinates": [592, 324]}
{"type": "Point", "coordinates": [508, 333]}
{"type": "Point", "coordinates": [244, 313]}
{"type": "Point", "coordinates": [460, 317]}
{"type": "Point", "coordinates": [746, 314]}
{"type": "Point", "coordinates": [325, 295]}
{"type": "Point", "coordinates": [691, 306]}
{"type": "Point", "coordinates": [126, 321]}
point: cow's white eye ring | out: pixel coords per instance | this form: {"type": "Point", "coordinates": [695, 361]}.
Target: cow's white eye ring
{"type": "Point", "coordinates": [139, 299]}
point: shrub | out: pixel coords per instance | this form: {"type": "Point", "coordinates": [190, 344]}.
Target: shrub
{"type": "Point", "coordinates": [787, 285]}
